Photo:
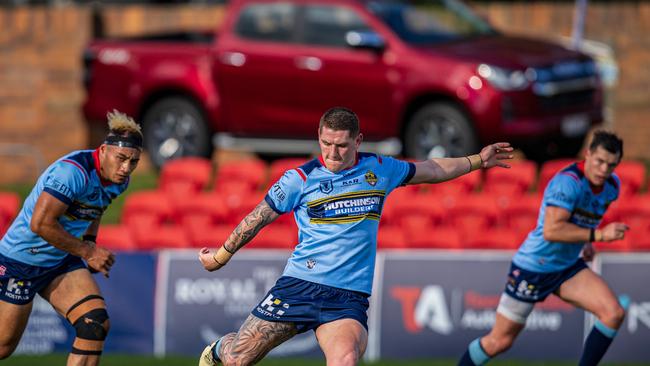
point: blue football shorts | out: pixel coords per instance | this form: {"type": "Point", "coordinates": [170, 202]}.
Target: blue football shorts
{"type": "Point", "coordinates": [20, 282]}
{"type": "Point", "coordinates": [308, 304]}
{"type": "Point", "coordinates": [530, 286]}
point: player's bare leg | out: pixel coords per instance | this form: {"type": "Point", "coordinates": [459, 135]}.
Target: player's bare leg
{"type": "Point", "coordinates": [502, 336]}
{"type": "Point", "coordinates": [14, 320]}
{"type": "Point", "coordinates": [69, 295]}
{"type": "Point", "coordinates": [589, 291]}
{"type": "Point", "coordinates": [254, 340]}
{"type": "Point", "coordinates": [343, 341]}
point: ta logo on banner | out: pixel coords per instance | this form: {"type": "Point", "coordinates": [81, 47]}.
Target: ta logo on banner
{"type": "Point", "coordinates": [422, 308]}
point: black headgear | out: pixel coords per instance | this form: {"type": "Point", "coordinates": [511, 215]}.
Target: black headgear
{"type": "Point", "coordinates": [130, 140]}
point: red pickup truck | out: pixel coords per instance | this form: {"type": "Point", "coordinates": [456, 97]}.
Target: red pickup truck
{"type": "Point", "coordinates": [427, 78]}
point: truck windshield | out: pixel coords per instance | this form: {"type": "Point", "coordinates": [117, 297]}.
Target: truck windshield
{"type": "Point", "coordinates": [425, 22]}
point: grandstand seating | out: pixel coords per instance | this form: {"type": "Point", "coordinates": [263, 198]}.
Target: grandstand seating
{"type": "Point", "coordinates": [280, 166]}
{"type": "Point", "coordinates": [9, 206]}
{"type": "Point", "coordinates": [116, 237]}
{"type": "Point", "coordinates": [517, 180]}
{"type": "Point", "coordinates": [632, 175]}
{"type": "Point", "coordinates": [463, 213]}
{"type": "Point", "coordinates": [248, 173]}
{"type": "Point", "coordinates": [549, 169]}
{"type": "Point", "coordinates": [191, 173]}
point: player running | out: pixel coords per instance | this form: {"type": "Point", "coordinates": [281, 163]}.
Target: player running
{"type": "Point", "coordinates": [43, 251]}
{"type": "Point", "coordinates": [548, 261]}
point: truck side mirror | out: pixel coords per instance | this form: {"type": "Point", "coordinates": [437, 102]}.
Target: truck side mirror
{"type": "Point", "coordinates": [365, 40]}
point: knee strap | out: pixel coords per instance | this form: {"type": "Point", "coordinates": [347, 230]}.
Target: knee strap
{"type": "Point", "coordinates": [514, 309]}
{"type": "Point", "coordinates": [90, 320]}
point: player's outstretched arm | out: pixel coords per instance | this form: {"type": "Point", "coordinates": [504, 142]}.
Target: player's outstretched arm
{"type": "Point", "coordinates": [442, 169]}
{"type": "Point", "coordinates": [261, 216]}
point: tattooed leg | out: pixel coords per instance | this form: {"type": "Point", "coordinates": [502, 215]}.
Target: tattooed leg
{"type": "Point", "coordinates": [255, 339]}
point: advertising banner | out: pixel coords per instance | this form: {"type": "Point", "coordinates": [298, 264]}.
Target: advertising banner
{"type": "Point", "coordinates": [433, 304]}
{"type": "Point", "coordinates": [129, 295]}
{"type": "Point", "coordinates": [629, 275]}
{"type": "Point", "coordinates": [195, 307]}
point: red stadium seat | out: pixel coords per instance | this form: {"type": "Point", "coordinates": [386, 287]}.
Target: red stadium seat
{"type": "Point", "coordinates": [638, 240]}
{"type": "Point", "coordinates": [549, 169]}
{"type": "Point", "coordinates": [161, 237]}
{"type": "Point", "coordinates": [203, 232]}
{"type": "Point", "coordinates": [280, 166]}
{"type": "Point", "coordinates": [521, 214]}
{"type": "Point", "coordinates": [9, 206]}
{"type": "Point", "coordinates": [152, 204]}
{"type": "Point", "coordinates": [422, 210]}
{"type": "Point", "coordinates": [464, 184]}
{"type": "Point", "coordinates": [472, 213]}
{"type": "Point", "coordinates": [274, 237]}
{"type": "Point", "coordinates": [440, 238]}
{"type": "Point", "coordinates": [239, 207]}
{"type": "Point", "coordinates": [633, 211]}
{"type": "Point", "coordinates": [391, 237]}
{"type": "Point", "coordinates": [194, 171]}
{"type": "Point", "coordinates": [492, 238]}
{"type": "Point", "coordinates": [209, 204]}
{"type": "Point", "coordinates": [249, 173]}
{"type": "Point", "coordinates": [514, 181]}
{"type": "Point", "coordinates": [389, 211]}
{"type": "Point", "coordinates": [115, 237]}
{"type": "Point", "coordinates": [632, 175]}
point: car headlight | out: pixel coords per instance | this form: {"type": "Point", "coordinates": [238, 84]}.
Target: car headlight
{"type": "Point", "coordinates": [505, 79]}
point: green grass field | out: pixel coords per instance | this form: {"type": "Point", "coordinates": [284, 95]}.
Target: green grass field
{"type": "Point", "coordinates": [126, 360]}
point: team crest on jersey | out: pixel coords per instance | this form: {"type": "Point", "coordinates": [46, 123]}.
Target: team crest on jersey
{"type": "Point", "coordinates": [326, 186]}
{"type": "Point", "coordinates": [94, 195]}
{"type": "Point", "coordinates": [371, 178]}
{"type": "Point", "coordinates": [311, 263]}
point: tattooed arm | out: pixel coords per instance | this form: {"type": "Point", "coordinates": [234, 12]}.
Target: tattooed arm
{"type": "Point", "coordinates": [261, 216]}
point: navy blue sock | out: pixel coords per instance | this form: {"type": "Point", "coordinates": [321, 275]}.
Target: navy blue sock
{"type": "Point", "coordinates": [215, 350]}
{"type": "Point", "coordinates": [475, 355]}
{"type": "Point", "coordinates": [597, 343]}
{"type": "Point", "coordinates": [600, 337]}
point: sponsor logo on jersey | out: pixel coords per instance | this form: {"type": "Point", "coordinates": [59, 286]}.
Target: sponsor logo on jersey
{"type": "Point", "coordinates": [272, 307]}
{"type": "Point", "coordinates": [351, 182]}
{"type": "Point", "coordinates": [279, 193]}
{"type": "Point", "coordinates": [80, 211]}
{"type": "Point", "coordinates": [346, 207]}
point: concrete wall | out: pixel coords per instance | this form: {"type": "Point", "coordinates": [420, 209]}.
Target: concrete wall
{"type": "Point", "coordinates": [40, 67]}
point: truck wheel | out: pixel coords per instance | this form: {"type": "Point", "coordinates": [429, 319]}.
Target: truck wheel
{"type": "Point", "coordinates": [174, 127]}
{"type": "Point", "coordinates": [439, 130]}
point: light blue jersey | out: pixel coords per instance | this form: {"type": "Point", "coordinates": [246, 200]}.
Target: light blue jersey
{"type": "Point", "coordinates": [338, 217]}
{"type": "Point", "coordinates": [569, 189]}
{"type": "Point", "coordinates": [73, 180]}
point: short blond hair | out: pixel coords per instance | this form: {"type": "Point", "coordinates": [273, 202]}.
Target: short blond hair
{"type": "Point", "coordinates": [119, 123]}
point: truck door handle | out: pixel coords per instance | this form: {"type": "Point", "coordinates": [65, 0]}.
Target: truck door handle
{"type": "Point", "coordinates": [309, 63]}
{"type": "Point", "coordinates": [236, 59]}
